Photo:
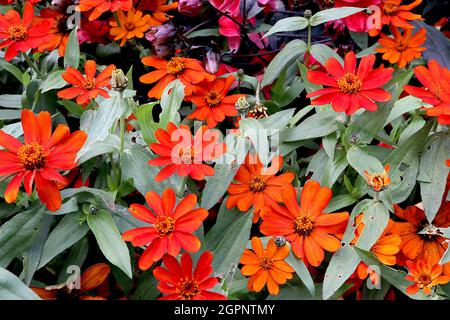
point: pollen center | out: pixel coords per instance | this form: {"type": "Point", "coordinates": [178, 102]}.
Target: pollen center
{"type": "Point", "coordinates": [89, 84]}
{"type": "Point", "coordinates": [165, 226]}
{"type": "Point", "coordinates": [424, 280]}
{"type": "Point", "coordinates": [175, 66]}
{"type": "Point", "coordinates": [212, 98]}
{"type": "Point", "coordinates": [304, 225]}
{"type": "Point", "coordinates": [187, 155]}
{"type": "Point", "coordinates": [18, 32]}
{"type": "Point", "coordinates": [266, 263]}
{"type": "Point", "coordinates": [129, 26]}
{"type": "Point", "coordinates": [390, 7]}
{"type": "Point", "coordinates": [32, 156]}
{"type": "Point", "coordinates": [349, 83]}
{"type": "Point", "coordinates": [257, 183]}
{"type": "Point", "coordinates": [187, 288]}
{"type": "Point", "coordinates": [401, 46]}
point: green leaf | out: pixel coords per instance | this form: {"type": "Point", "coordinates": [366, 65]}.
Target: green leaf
{"type": "Point", "coordinates": [11, 101]}
{"type": "Point", "coordinates": [171, 100]}
{"type": "Point", "coordinates": [376, 218]}
{"type": "Point", "coordinates": [227, 239]}
{"type": "Point", "coordinates": [11, 288]}
{"type": "Point", "coordinates": [53, 81]}
{"type": "Point", "coordinates": [72, 56]}
{"type": "Point", "coordinates": [109, 240]}
{"type": "Point", "coordinates": [361, 161]}
{"type": "Point", "coordinates": [217, 185]}
{"type": "Point", "coordinates": [285, 57]}
{"type": "Point", "coordinates": [323, 53]}
{"type": "Point", "coordinates": [147, 125]}
{"type": "Point", "coordinates": [288, 24]}
{"type": "Point", "coordinates": [303, 273]}
{"type": "Point", "coordinates": [68, 232]}
{"type": "Point", "coordinates": [333, 14]}
{"type": "Point", "coordinates": [318, 125]}
{"type": "Point", "coordinates": [13, 70]}
{"type": "Point", "coordinates": [402, 106]}
{"type": "Point", "coordinates": [9, 114]}
{"type": "Point", "coordinates": [432, 164]}
{"type": "Point", "coordinates": [18, 233]}
{"type": "Point", "coordinates": [327, 171]}
{"type": "Point", "coordinates": [279, 120]}
{"type": "Point", "coordinates": [76, 257]}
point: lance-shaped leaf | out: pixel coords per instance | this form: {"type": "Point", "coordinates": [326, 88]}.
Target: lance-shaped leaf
{"type": "Point", "coordinates": [318, 125]}
{"type": "Point", "coordinates": [333, 14]}
{"type": "Point", "coordinates": [72, 56]}
{"type": "Point", "coordinates": [288, 24]}
{"type": "Point", "coordinates": [11, 288]}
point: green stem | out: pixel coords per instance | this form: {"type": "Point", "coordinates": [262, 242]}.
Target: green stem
{"type": "Point", "coordinates": [180, 189]}
{"type": "Point", "coordinates": [32, 65]}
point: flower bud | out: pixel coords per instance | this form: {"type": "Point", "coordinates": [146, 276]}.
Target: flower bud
{"type": "Point", "coordinates": [307, 14]}
{"type": "Point", "coordinates": [190, 8]}
{"type": "Point", "coordinates": [242, 105]}
{"type": "Point", "coordinates": [212, 62]}
{"type": "Point", "coordinates": [119, 81]}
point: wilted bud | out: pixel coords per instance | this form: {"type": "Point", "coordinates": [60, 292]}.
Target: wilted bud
{"type": "Point", "coordinates": [259, 111]}
{"type": "Point", "coordinates": [307, 14]}
{"type": "Point", "coordinates": [190, 8]}
{"type": "Point", "coordinates": [161, 34]}
{"type": "Point", "coordinates": [212, 62]}
{"type": "Point", "coordinates": [119, 81]}
{"type": "Point", "coordinates": [378, 181]}
{"type": "Point", "coordinates": [242, 105]}
{"type": "Point", "coordinates": [280, 241]}
{"type": "Point", "coordinates": [240, 73]}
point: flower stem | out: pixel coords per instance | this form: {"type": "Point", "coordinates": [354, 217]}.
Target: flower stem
{"type": "Point", "coordinates": [32, 65]}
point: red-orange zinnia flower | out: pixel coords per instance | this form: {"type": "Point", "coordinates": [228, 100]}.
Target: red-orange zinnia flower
{"type": "Point", "coordinates": [177, 281]}
{"type": "Point", "coordinates": [171, 226]}
{"type": "Point", "coordinates": [257, 186]}
{"type": "Point", "coordinates": [181, 152]}
{"type": "Point", "coordinates": [91, 279]}
{"type": "Point", "coordinates": [436, 80]}
{"type": "Point", "coordinates": [89, 86]}
{"type": "Point", "coordinates": [425, 276]}
{"type": "Point", "coordinates": [40, 158]}
{"type": "Point", "coordinates": [21, 35]}
{"type": "Point", "coordinates": [212, 103]}
{"type": "Point", "coordinates": [305, 226]}
{"type": "Point", "coordinates": [395, 14]}
{"type": "Point", "coordinates": [188, 71]}
{"type": "Point", "coordinates": [101, 6]}
{"type": "Point", "coordinates": [266, 266]}
{"type": "Point", "coordinates": [403, 48]}
{"type": "Point", "coordinates": [59, 31]}
{"type": "Point", "coordinates": [349, 89]}
{"type": "Point", "coordinates": [157, 10]}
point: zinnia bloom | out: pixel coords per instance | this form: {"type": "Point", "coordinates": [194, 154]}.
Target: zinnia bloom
{"type": "Point", "coordinates": [177, 281]}
{"type": "Point", "coordinates": [266, 266]}
{"type": "Point", "coordinates": [425, 276]}
{"type": "Point", "coordinates": [171, 226]}
{"type": "Point", "coordinates": [436, 80]}
{"type": "Point", "coordinates": [59, 31]}
{"type": "Point", "coordinates": [257, 186]}
{"type": "Point", "coordinates": [40, 158]}
{"type": "Point", "coordinates": [91, 279]}
{"type": "Point", "coordinates": [132, 25]}
{"type": "Point", "coordinates": [102, 6]}
{"type": "Point", "coordinates": [183, 153]}
{"type": "Point", "coordinates": [403, 48]}
{"type": "Point", "coordinates": [416, 246]}
{"type": "Point", "coordinates": [349, 89]}
{"type": "Point", "coordinates": [304, 225]}
{"type": "Point", "coordinates": [212, 102]}
{"type": "Point", "coordinates": [157, 10]}
{"type": "Point", "coordinates": [188, 71]}
{"type": "Point", "coordinates": [89, 86]}
{"type": "Point", "coordinates": [395, 14]}
{"type": "Point", "coordinates": [21, 35]}
{"type": "Point", "coordinates": [378, 181]}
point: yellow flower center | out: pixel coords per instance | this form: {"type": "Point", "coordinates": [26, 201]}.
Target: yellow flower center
{"type": "Point", "coordinates": [89, 84]}
{"type": "Point", "coordinates": [165, 226]}
{"type": "Point", "coordinates": [187, 288]}
{"type": "Point", "coordinates": [304, 225]}
{"type": "Point", "coordinates": [212, 98]}
{"type": "Point", "coordinates": [32, 156]}
{"type": "Point", "coordinates": [377, 182]}
{"type": "Point", "coordinates": [129, 26]}
{"type": "Point", "coordinates": [401, 45]}
{"type": "Point", "coordinates": [266, 263]}
{"type": "Point", "coordinates": [424, 280]}
{"type": "Point", "coordinates": [18, 32]}
{"type": "Point", "coordinates": [349, 83]}
{"type": "Point", "coordinates": [390, 7]}
{"type": "Point", "coordinates": [257, 183]}
{"type": "Point", "coordinates": [187, 155]}
{"type": "Point", "coordinates": [175, 66]}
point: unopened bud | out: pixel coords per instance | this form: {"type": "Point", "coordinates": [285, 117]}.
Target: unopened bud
{"type": "Point", "coordinates": [212, 62]}
{"type": "Point", "coordinates": [242, 105]}
{"type": "Point", "coordinates": [307, 14]}
{"type": "Point", "coordinates": [119, 81]}
{"type": "Point", "coordinates": [280, 241]}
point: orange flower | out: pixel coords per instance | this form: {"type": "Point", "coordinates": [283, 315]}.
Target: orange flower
{"type": "Point", "coordinates": [158, 9]}
{"type": "Point", "coordinates": [89, 86]}
{"type": "Point", "coordinates": [257, 186]}
{"type": "Point", "coordinates": [183, 153]}
{"type": "Point", "coordinates": [416, 246]}
{"type": "Point", "coordinates": [395, 14]}
{"type": "Point", "coordinates": [266, 266]}
{"type": "Point", "coordinates": [179, 282]}
{"type": "Point", "coordinates": [21, 35]}
{"type": "Point", "coordinates": [403, 48]}
{"type": "Point", "coordinates": [59, 32]}
{"type": "Point", "coordinates": [305, 226]}
{"type": "Point", "coordinates": [447, 162]}
{"type": "Point", "coordinates": [188, 71]}
{"type": "Point", "coordinates": [378, 181]}
{"type": "Point", "coordinates": [91, 279]}
{"type": "Point", "coordinates": [102, 6]}
{"type": "Point", "coordinates": [132, 25]}
{"type": "Point", "coordinates": [436, 80]}
{"type": "Point", "coordinates": [212, 101]}
{"type": "Point", "coordinates": [425, 276]}
{"type": "Point", "coordinates": [171, 226]}
{"type": "Point", "coordinates": [40, 158]}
